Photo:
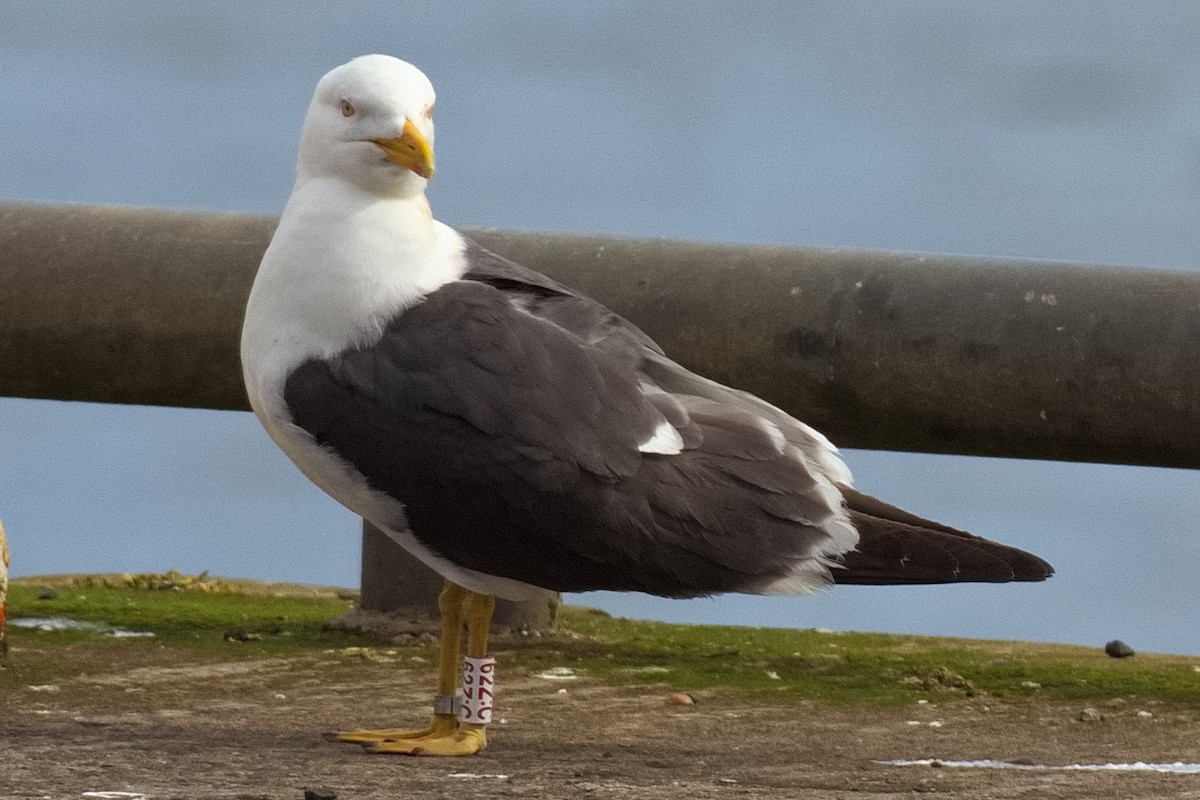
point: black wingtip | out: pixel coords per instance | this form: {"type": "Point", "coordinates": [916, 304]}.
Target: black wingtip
{"type": "Point", "coordinates": [896, 547]}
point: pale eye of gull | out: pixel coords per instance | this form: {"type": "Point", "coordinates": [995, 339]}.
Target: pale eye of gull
{"type": "Point", "coordinates": [347, 107]}
{"type": "Point", "coordinates": [428, 112]}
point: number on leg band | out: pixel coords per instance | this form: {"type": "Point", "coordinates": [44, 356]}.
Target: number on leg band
{"type": "Point", "coordinates": [478, 690]}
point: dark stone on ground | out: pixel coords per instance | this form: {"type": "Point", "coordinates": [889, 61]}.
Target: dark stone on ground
{"type": "Point", "coordinates": [1118, 649]}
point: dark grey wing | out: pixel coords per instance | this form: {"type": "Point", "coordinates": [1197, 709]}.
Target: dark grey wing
{"type": "Point", "coordinates": [513, 442]}
{"type": "Point", "coordinates": [539, 295]}
{"type": "Point", "coordinates": [494, 269]}
{"type": "Point", "coordinates": [465, 355]}
{"type": "Point", "coordinates": [546, 299]}
{"type": "Point", "coordinates": [895, 547]}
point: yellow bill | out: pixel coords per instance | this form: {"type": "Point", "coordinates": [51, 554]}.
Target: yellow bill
{"type": "Point", "coordinates": [409, 150]}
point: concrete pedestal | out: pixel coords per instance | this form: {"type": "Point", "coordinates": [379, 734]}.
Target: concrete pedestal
{"type": "Point", "coordinates": [394, 581]}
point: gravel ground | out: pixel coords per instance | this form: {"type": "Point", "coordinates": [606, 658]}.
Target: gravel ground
{"type": "Point", "coordinates": [251, 729]}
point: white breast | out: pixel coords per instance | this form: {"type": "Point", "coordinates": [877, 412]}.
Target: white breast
{"type": "Point", "coordinates": [341, 264]}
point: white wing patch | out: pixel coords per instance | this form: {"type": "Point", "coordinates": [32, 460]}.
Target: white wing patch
{"type": "Point", "coordinates": [777, 437]}
{"type": "Point", "coordinates": [665, 441]}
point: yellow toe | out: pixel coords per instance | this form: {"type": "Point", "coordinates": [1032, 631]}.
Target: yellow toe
{"type": "Point", "coordinates": [467, 741]}
{"type": "Point", "coordinates": [441, 726]}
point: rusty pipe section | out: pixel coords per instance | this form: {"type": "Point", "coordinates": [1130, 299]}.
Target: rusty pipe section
{"type": "Point", "coordinates": [881, 350]}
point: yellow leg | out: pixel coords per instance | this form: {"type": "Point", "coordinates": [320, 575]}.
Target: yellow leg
{"type": "Point", "coordinates": [467, 739]}
{"type": "Point", "coordinates": [452, 606]}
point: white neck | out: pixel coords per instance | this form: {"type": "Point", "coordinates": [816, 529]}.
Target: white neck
{"type": "Point", "coordinates": [341, 264]}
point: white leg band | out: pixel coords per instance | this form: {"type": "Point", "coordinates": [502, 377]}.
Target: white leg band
{"type": "Point", "coordinates": [478, 690]}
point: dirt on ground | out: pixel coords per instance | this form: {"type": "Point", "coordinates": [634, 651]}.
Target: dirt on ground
{"type": "Point", "coordinates": [251, 728]}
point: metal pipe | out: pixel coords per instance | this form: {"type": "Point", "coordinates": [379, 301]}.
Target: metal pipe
{"type": "Point", "coordinates": [125, 305]}
{"type": "Point", "coordinates": [881, 350]}
{"type": "Point", "coordinates": [901, 351]}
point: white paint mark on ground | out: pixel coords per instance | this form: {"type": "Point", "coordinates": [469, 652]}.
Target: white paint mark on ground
{"type": "Point", "coordinates": [989, 763]}
{"type": "Point", "coordinates": [558, 674]}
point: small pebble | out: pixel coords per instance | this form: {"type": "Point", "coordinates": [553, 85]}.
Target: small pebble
{"type": "Point", "coordinates": [681, 699]}
{"type": "Point", "coordinates": [1145, 714]}
{"type": "Point", "coordinates": [1118, 649]}
{"type": "Point", "coordinates": [320, 793]}
{"type": "Point", "coordinates": [1090, 715]}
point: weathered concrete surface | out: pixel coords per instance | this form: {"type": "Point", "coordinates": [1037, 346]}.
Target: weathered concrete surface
{"type": "Point", "coordinates": [881, 350]}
